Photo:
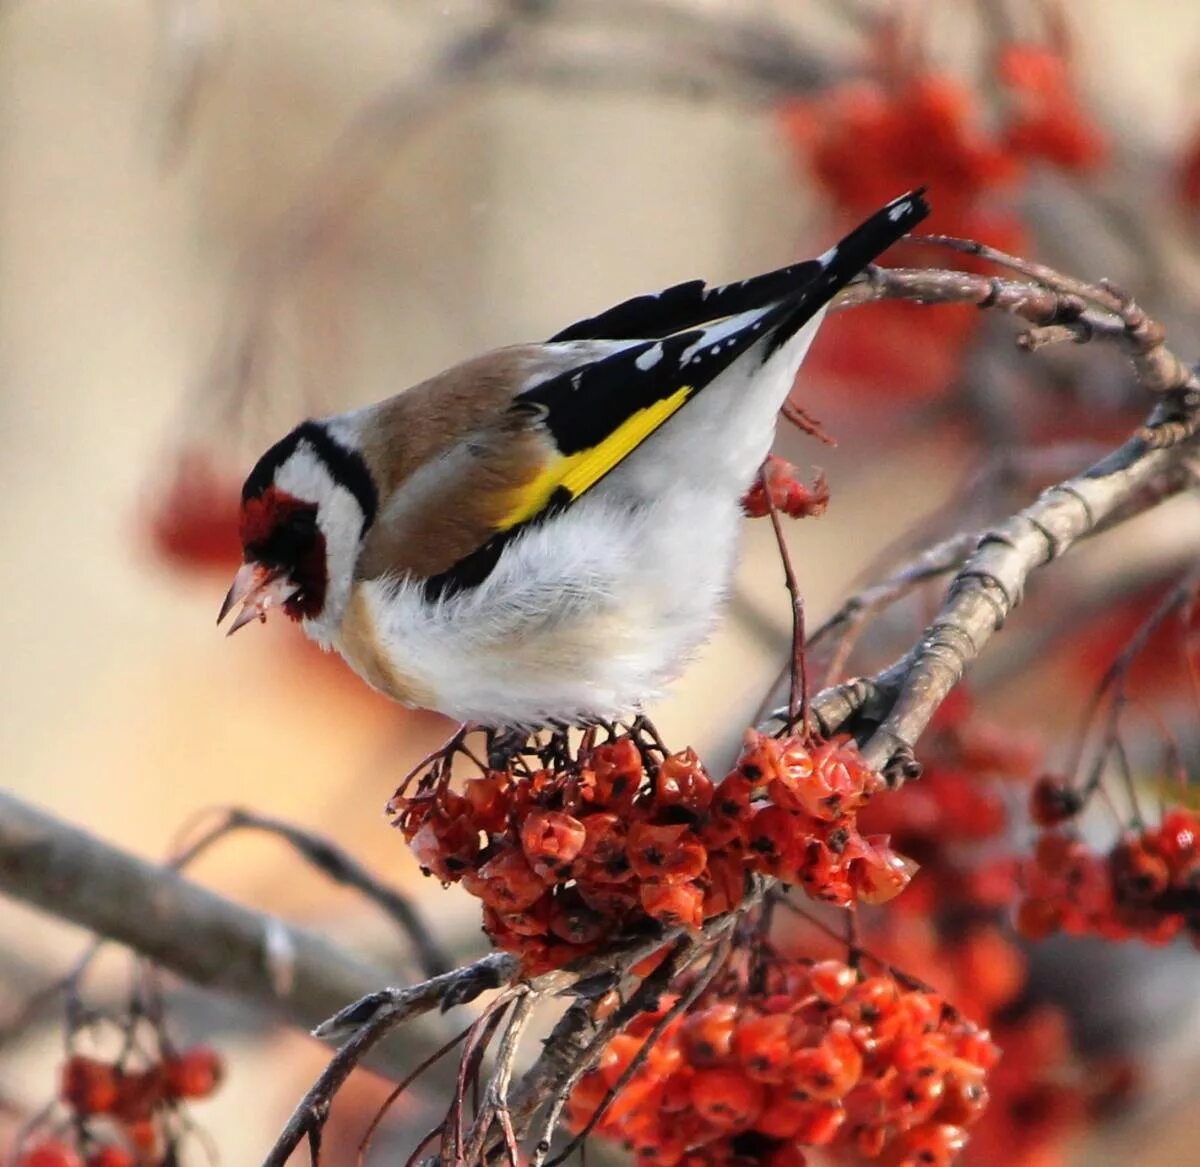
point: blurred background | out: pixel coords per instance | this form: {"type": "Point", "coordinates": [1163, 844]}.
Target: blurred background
{"type": "Point", "coordinates": [217, 218]}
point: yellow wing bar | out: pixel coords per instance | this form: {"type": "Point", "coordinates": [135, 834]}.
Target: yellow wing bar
{"type": "Point", "coordinates": [580, 471]}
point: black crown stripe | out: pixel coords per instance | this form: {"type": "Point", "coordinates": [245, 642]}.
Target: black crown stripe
{"type": "Point", "coordinates": [346, 467]}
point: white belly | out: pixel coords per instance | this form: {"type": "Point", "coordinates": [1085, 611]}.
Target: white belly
{"type": "Point", "coordinates": [589, 615]}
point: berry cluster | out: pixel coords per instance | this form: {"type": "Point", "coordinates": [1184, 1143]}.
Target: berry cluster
{"type": "Point", "coordinates": [566, 856]}
{"type": "Point", "coordinates": [816, 1055]}
{"type": "Point", "coordinates": [1047, 119]}
{"type": "Point", "coordinates": [901, 123]}
{"type": "Point", "coordinates": [779, 487]}
{"type": "Point", "coordinates": [1147, 886]}
{"type": "Point", "coordinates": [130, 1104]}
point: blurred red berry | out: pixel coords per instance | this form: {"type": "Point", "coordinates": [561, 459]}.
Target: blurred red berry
{"type": "Point", "coordinates": [194, 1073]}
{"type": "Point", "coordinates": [111, 1155]}
{"type": "Point", "coordinates": [88, 1086]}
{"type": "Point", "coordinates": [1037, 919]}
{"type": "Point", "coordinates": [1048, 120]}
{"type": "Point", "coordinates": [50, 1154]}
{"type": "Point", "coordinates": [1052, 801]}
{"type": "Point", "coordinates": [193, 521]}
{"type": "Point", "coordinates": [784, 491]}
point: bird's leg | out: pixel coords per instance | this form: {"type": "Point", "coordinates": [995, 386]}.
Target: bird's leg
{"type": "Point", "coordinates": [436, 762]}
{"type": "Point", "coordinates": [641, 728]}
{"type": "Point", "coordinates": [504, 745]}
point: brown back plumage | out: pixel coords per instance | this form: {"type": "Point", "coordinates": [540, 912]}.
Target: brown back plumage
{"type": "Point", "coordinates": [447, 454]}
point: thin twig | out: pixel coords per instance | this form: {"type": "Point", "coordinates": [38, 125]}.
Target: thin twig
{"type": "Point", "coordinates": [798, 678]}
{"type": "Point", "coordinates": [685, 1002]}
{"type": "Point", "coordinates": [495, 1096]}
{"type": "Point", "coordinates": [404, 1083]}
{"type": "Point", "coordinates": [337, 864]}
{"type": "Point", "coordinates": [387, 1009]}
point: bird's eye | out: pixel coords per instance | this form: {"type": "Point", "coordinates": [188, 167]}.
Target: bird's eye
{"type": "Point", "coordinates": [300, 522]}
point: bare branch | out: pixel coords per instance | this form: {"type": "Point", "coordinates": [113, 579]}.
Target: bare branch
{"type": "Point", "coordinates": [337, 864]}
{"type": "Point", "coordinates": [390, 1008]}
{"type": "Point", "coordinates": [177, 924]}
{"type": "Point", "coordinates": [902, 700]}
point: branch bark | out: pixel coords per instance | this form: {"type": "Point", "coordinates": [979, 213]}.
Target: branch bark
{"type": "Point", "coordinates": [211, 941]}
{"type": "Point", "coordinates": [901, 700]}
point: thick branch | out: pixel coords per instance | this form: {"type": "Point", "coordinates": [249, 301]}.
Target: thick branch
{"type": "Point", "coordinates": [902, 700]}
{"type": "Point", "coordinates": [177, 924]}
{"type": "Point", "coordinates": [337, 864]}
{"type": "Point", "coordinates": [1060, 308]}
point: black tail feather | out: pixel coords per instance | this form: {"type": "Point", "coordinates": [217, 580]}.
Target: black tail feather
{"type": "Point", "coordinates": [694, 303]}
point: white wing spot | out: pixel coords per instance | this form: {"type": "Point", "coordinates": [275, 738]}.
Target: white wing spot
{"type": "Point", "coordinates": [899, 210]}
{"type": "Point", "coordinates": [649, 358]}
{"type": "Point", "coordinates": [827, 257]}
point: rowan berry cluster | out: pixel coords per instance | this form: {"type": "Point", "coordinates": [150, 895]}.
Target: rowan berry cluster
{"type": "Point", "coordinates": [814, 1055]}
{"type": "Point", "coordinates": [566, 856]}
{"type": "Point", "coordinates": [1146, 887]}
{"type": "Point", "coordinates": [901, 123]}
{"type": "Point", "coordinates": [119, 1116]}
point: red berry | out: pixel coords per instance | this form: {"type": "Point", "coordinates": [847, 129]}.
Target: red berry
{"type": "Point", "coordinates": [139, 1094]}
{"type": "Point", "coordinates": [551, 840]}
{"type": "Point", "coordinates": [726, 1098]}
{"type": "Point", "coordinates": [1177, 837]}
{"type": "Point", "coordinates": [930, 1146]}
{"type": "Point", "coordinates": [1058, 854]}
{"type": "Point", "coordinates": [763, 1046]}
{"type": "Point", "coordinates": [674, 903]}
{"type": "Point", "coordinates": [616, 774]}
{"type": "Point", "coordinates": [195, 1073]}
{"type": "Point", "coordinates": [708, 1034]}
{"type": "Point", "coordinates": [1038, 918]}
{"type": "Point", "coordinates": [604, 854]}
{"type": "Point", "coordinates": [111, 1155]}
{"type": "Point", "coordinates": [682, 781]}
{"type": "Point", "coordinates": [773, 841]}
{"type": "Point", "coordinates": [670, 854]}
{"type": "Point", "coordinates": [1139, 875]}
{"type": "Point", "coordinates": [506, 882]}
{"type": "Point", "coordinates": [822, 1074]}
{"type": "Point", "coordinates": [821, 1124]}
{"type": "Point", "coordinates": [831, 980]}
{"type": "Point", "coordinates": [143, 1134]}
{"type": "Point", "coordinates": [52, 1154]}
{"type": "Point", "coordinates": [729, 812]}
{"type": "Point", "coordinates": [488, 800]}
{"type": "Point", "coordinates": [1053, 801]}
{"type": "Point", "coordinates": [88, 1086]}
{"type": "Point", "coordinates": [573, 920]}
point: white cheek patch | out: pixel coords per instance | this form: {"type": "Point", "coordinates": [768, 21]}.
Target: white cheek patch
{"type": "Point", "coordinates": [339, 517]}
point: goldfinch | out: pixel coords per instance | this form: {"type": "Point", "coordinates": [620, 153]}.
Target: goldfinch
{"type": "Point", "coordinates": [543, 535]}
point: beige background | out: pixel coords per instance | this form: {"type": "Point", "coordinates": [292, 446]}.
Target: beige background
{"type": "Point", "coordinates": [507, 216]}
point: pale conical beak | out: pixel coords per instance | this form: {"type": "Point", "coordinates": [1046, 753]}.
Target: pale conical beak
{"type": "Point", "coordinates": [256, 588]}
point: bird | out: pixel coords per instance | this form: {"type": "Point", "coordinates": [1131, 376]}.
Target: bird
{"type": "Point", "coordinates": [544, 535]}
